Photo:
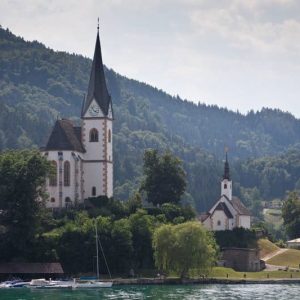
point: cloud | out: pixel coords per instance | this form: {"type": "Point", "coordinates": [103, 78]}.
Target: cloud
{"type": "Point", "coordinates": [234, 53]}
{"type": "Point", "coordinates": [249, 25]}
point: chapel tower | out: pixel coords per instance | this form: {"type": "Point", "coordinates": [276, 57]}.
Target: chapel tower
{"type": "Point", "coordinates": [97, 123]}
{"type": "Point", "coordinates": [226, 184]}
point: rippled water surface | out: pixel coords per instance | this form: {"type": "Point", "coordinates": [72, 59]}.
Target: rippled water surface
{"type": "Point", "coordinates": [220, 291]}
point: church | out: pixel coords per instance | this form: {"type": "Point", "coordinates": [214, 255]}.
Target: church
{"type": "Point", "coordinates": [82, 156]}
{"type": "Point", "coordinates": [228, 212]}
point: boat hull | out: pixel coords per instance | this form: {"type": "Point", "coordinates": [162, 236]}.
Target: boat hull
{"type": "Point", "coordinates": [92, 284]}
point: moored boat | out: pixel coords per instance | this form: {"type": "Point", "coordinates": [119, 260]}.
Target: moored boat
{"type": "Point", "coordinates": [42, 283]}
{"type": "Point", "coordinates": [13, 284]}
{"type": "Point", "coordinates": [94, 283]}
{"type": "Point", "coordinates": [90, 284]}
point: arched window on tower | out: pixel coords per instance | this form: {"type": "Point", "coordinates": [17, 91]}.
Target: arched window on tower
{"type": "Point", "coordinates": [53, 175]}
{"type": "Point", "coordinates": [109, 135]}
{"type": "Point", "coordinates": [94, 135]}
{"type": "Point", "coordinates": [93, 191]}
{"type": "Point", "coordinates": [66, 173]}
{"type": "Point", "coordinates": [225, 186]}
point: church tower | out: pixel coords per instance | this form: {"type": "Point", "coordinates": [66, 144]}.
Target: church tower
{"type": "Point", "coordinates": [96, 134]}
{"type": "Point", "coordinates": [226, 184]}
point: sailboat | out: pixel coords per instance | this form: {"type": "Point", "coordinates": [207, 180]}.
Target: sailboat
{"type": "Point", "coordinates": [95, 283]}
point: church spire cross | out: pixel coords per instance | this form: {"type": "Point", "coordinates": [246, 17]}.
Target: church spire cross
{"type": "Point", "coordinates": [98, 26]}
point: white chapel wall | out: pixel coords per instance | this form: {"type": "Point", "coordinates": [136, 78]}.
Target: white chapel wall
{"type": "Point", "coordinates": [219, 220]}
{"type": "Point", "coordinates": [245, 221]}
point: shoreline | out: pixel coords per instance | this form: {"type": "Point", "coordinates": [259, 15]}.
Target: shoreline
{"type": "Point", "coordinates": [178, 281]}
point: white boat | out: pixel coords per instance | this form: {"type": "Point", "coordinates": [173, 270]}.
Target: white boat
{"type": "Point", "coordinates": [7, 284]}
{"type": "Point", "coordinates": [19, 284]}
{"type": "Point", "coordinates": [92, 284]}
{"type": "Point", "coordinates": [42, 283]}
{"type": "Point", "coordinates": [13, 284]}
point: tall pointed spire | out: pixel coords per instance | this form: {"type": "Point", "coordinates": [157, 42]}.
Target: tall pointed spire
{"type": "Point", "coordinates": [226, 168]}
{"type": "Point", "coordinates": [97, 85]}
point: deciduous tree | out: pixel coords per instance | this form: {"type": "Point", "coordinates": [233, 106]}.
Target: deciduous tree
{"type": "Point", "coordinates": [291, 214]}
{"type": "Point", "coordinates": [22, 177]}
{"type": "Point", "coordinates": [164, 177]}
{"type": "Point", "coordinates": [181, 248]}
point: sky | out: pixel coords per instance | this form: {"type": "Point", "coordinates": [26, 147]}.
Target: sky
{"type": "Point", "coordinates": [239, 54]}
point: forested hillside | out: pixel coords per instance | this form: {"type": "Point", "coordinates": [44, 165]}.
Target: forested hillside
{"type": "Point", "coordinates": [37, 85]}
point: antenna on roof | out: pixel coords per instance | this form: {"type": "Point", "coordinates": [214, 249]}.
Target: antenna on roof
{"type": "Point", "coordinates": [98, 26]}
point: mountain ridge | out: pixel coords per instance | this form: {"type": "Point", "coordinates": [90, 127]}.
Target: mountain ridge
{"type": "Point", "coordinates": [37, 84]}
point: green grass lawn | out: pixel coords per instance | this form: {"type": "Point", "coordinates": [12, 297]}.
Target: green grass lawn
{"type": "Point", "coordinates": [220, 272]}
{"type": "Point", "coordinates": [266, 247]}
{"type": "Point", "coordinates": [289, 258]}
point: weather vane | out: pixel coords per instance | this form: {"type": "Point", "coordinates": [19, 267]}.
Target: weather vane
{"type": "Point", "coordinates": [98, 25]}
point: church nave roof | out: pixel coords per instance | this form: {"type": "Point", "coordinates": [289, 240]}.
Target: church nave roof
{"type": "Point", "coordinates": [65, 136]}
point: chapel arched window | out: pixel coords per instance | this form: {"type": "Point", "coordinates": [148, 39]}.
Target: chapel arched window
{"type": "Point", "coordinates": [94, 135]}
{"type": "Point", "coordinates": [53, 175]}
{"type": "Point", "coordinates": [67, 174]}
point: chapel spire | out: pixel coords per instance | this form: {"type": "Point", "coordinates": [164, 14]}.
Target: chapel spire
{"type": "Point", "coordinates": [226, 184]}
{"type": "Point", "coordinates": [226, 168]}
{"type": "Point", "coordinates": [97, 85]}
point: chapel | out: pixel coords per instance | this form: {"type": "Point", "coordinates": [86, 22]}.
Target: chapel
{"type": "Point", "coordinates": [228, 212]}
{"type": "Point", "coordinates": [82, 156]}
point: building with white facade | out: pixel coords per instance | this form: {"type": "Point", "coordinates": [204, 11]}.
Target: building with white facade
{"type": "Point", "coordinates": [228, 212]}
{"type": "Point", "coordinates": [82, 156]}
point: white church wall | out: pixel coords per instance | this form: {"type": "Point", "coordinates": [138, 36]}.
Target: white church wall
{"type": "Point", "coordinates": [226, 188]}
{"type": "Point", "coordinates": [66, 191]}
{"type": "Point", "coordinates": [110, 184]}
{"type": "Point", "coordinates": [207, 223]}
{"type": "Point", "coordinates": [231, 223]}
{"type": "Point", "coordinates": [53, 191]}
{"type": "Point", "coordinates": [93, 177]}
{"type": "Point", "coordinates": [228, 204]}
{"type": "Point", "coordinates": [219, 220]}
{"type": "Point", "coordinates": [98, 168]}
{"type": "Point", "coordinates": [244, 221]}
{"type": "Point", "coordinates": [109, 144]}
{"type": "Point", "coordinates": [94, 150]}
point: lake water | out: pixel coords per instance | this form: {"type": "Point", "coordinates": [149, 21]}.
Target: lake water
{"type": "Point", "coordinates": [218, 291]}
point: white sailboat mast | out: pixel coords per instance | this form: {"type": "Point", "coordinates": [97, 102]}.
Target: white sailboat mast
{"type": "Point", "coordinates": [97, 251]}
